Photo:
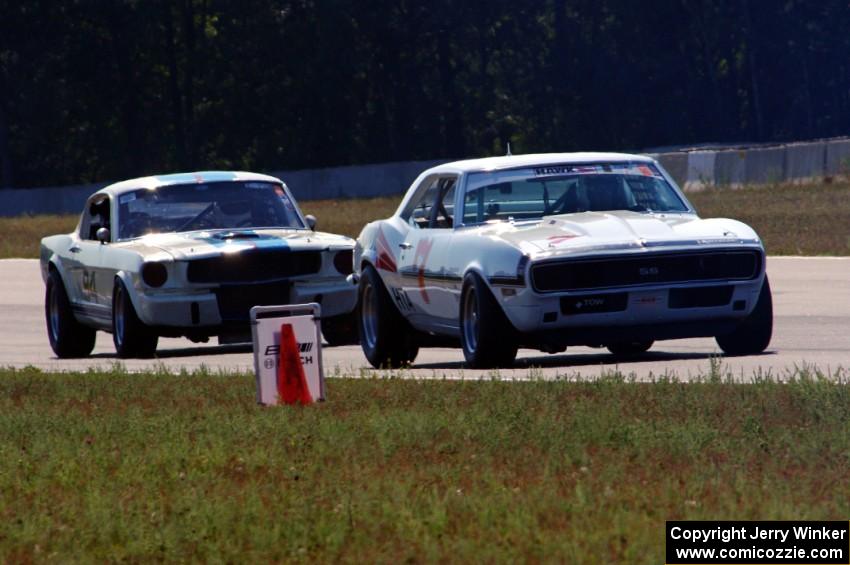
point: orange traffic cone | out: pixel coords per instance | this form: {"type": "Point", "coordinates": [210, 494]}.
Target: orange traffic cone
{"type": "Point", "coordinates": [291, 381]}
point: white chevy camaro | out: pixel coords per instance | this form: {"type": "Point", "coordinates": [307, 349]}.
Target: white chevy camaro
{"type": "Point", "coordinates": [547, 251]}
{"type": "Point", "coordinates": [188, 255]}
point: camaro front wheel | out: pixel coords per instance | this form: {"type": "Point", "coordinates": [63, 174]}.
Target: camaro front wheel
{"type": "Point", "coordinates": [753, 334]}
{"type": "Point", "coordinates": [132, 338]}
{"type": "Point", "coordinates": [68, 338]}
{"type": "Point", "coordinates": [486, 335]}
{"type": "Point", "coordinates": [385, 336]}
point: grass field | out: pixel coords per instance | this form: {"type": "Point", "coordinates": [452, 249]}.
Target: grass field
{"type": "Point", "coordinates": [792, 220]}
{"type": "Point", "coordinates": [145, 467]}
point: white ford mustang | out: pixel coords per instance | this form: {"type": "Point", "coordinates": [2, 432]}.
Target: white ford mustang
{"type": "Point", "coordinates": [546, 251]}
{"type": "Point", "coordinates": [188, 255]}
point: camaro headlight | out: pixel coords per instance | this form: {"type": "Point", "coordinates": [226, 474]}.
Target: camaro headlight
{"type": "Point", "coordinates": [154, 274]}
{"type": "Point", "coordinates": [522, 265]}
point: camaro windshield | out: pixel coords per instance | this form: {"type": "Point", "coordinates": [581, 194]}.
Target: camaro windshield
{"type": "Point", "coordinates": [206, 206]}
{"type": "Point", "coordinates": [532, 193]}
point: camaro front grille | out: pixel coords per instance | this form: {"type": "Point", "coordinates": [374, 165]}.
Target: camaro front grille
{"type": "Point", "coordinates": [254, 266]}
{"type": "Point", "coordinates": [623, 271]}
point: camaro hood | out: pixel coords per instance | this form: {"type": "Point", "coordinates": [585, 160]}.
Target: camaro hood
{"type": "Point", "coordinates": [203, 244]}
{"type": "Point", "coordinates": [590, 231]}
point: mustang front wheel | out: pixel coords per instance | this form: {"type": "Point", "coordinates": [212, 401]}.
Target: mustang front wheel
{"type": "Point", "coordinates": [68, 337]}
{"type": "Point", "coordinates": [629, 348]}
{"type": "Point", "coordinates": [486, 335]}
{"type": "Point", "coordinates": [386, 338]}
{"type": "Point", "coordinates": [340, 330]}
{"type": "Point", "coordinates": [132, 338]}
{"type": "Point", "coordinates": [753, 334]}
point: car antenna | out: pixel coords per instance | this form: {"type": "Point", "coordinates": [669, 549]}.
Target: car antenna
{"type": "Point", "coordinates": [508, 154]}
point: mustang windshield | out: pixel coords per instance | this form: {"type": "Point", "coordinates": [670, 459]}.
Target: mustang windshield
{"type": "Point", "coordinates": [532, 193]}
{"type": "Point", "coordinates": [205, 206]}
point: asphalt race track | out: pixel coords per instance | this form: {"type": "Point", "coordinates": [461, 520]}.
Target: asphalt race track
{"type": "Point", "coordinates": [811, 326]}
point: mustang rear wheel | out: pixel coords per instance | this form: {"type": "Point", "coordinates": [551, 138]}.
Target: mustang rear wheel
{"type": "Point", "coordinates": [628, 348]}
{"type": "Point", "coordinates": [487, 336]}
{"type": "Point", "coordinates": [68, 337]}
{"type": "Point", "coordinates": [385, 336]}
{"type": "Point", "coordinates": [753, 334]}
{"type": "Point", "coordinates": [132, 338]}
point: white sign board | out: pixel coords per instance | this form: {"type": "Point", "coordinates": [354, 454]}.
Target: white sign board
{"type": "Point", "coordinates": [266, 322]}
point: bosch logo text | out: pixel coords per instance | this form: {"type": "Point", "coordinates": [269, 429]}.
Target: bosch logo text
{"type": "Point", "coordinates": [274, 351]}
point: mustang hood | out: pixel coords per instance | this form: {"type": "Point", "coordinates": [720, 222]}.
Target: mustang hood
{"type": "Point", "coordinates": [587, 231]}
{"type": "Point", "coordinates": [203, 244]}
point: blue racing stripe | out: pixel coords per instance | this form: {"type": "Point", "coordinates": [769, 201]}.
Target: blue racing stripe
{"type": "Point", "coordinates": [261, 241]}
{"type": "Point", "coordinates": [199, 177]}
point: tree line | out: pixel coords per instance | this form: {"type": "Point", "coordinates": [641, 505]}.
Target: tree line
{"type": "Point", "coordinates": [94, 90]}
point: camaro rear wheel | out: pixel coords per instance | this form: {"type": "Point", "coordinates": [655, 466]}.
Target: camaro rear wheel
{"type": "Point", "coordinates": [340, 330]}
{"type": "Point", "coordinates": [753, 334]}
{"type": "Point", "coordinates": [68, 337]}
{"type": "Point", "coordinates": [487, 336]}
{"type": "Point", "coordinates": [629, 348]}
{"type": "Point", "coordinates": [132, 338]}
{"type": "Point", "coordinates": [385, 336]}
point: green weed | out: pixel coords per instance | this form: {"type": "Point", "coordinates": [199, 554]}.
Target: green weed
{"type": "Point", "coordinates": [109, 466]}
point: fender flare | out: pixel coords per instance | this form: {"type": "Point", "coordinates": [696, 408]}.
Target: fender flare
{"type": "Point", "coordinates": [476, 269]}
{"type": "Point", "coordinates": [127, 279]}
{"type": "Point", "coordinates": [370, 261]}
{"type": "Point", "coordinates": [369, 258]}
{"type": "Point", "coordinates": [55, 264]}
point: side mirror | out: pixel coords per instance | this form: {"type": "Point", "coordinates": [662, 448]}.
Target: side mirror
{"type": "Point", "coordinates": [311, 221]}
{"type": "Point", "coordinates": [103, 235]}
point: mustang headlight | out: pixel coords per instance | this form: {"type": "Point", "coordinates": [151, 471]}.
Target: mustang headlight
{"type": "Point", "coordinates": [154, 274]}
{"type": "Point", "coordinates": [344, 261]}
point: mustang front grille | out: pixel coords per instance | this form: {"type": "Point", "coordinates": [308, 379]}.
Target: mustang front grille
{"type": "Point", "coordinates": [235, 302]}
{"type": "Point", "coordinates": [254, 266]}
{"type": "Point", "coordinates": [620, 271]}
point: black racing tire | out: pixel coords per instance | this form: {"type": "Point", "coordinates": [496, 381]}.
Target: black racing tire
{"type": "Point", "coordinates": [629, 348]}
{"type": "Point", "coordinates": [132, 338]}
{"type": "Point", "coordinates": [386, 337]}
{"type": "Point", "coordinates": [487, 336]}
{"type": "Point", "coordinates": [753, 334]}
{"type": "Point", "coordinates": [340, 330]}
{"type": "Point", "coordinates": [68, 337]}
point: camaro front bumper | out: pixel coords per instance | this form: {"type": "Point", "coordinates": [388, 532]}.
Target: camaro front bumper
{"type": "Point", "coordinates": [647, 313]}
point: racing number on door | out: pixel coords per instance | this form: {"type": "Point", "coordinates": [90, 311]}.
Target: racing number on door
{"type": "Point", "coordinates": [89, 286]}
{"type": "Point", "coordinates": [402, 300]}
{"type": "Point", "coordinates": [423, 249]}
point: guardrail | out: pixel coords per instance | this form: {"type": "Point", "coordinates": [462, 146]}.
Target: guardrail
{"type": "Point", "coordinates": [762, 165]}
{"type": "Point", "coordinates": [359, 181]}
{"type": "Point", "coordinates": [693, 169]}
